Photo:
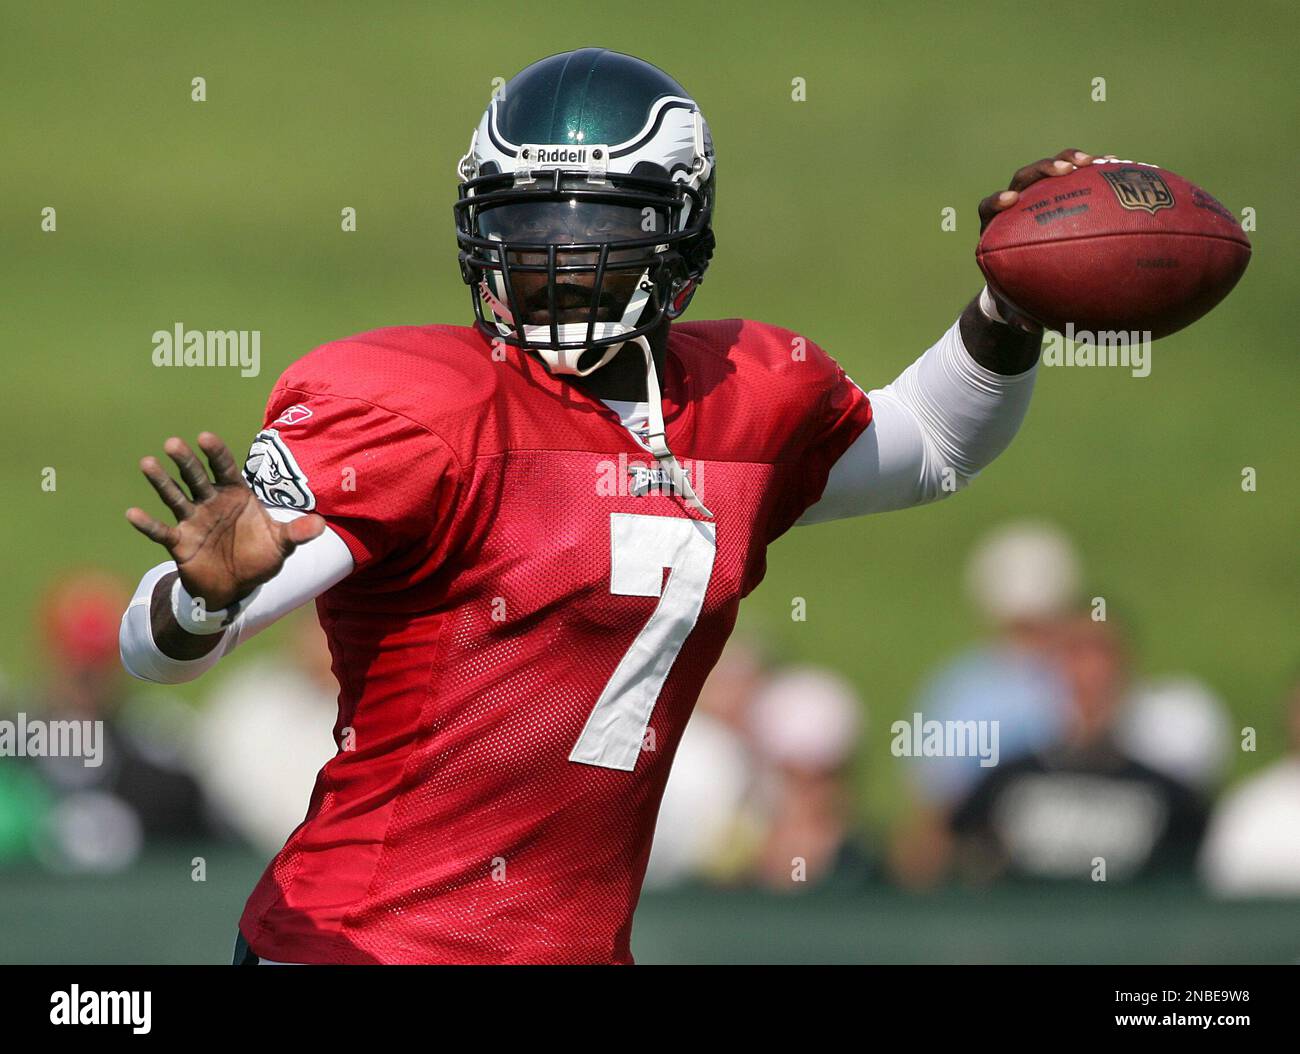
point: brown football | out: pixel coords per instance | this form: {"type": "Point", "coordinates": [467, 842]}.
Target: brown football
{"type": "Point", "coordinates": [1114, 245]}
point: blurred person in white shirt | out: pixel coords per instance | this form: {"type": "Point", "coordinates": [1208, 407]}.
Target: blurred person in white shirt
{"type": "Point", "coordinates": [265, 732]}
{"type": "Point", "coordinates": [710, 819]}
{"type": "Point", "coordinates": [807, 725]}
{"type": "Point", "coordinates": [1253, 844]}
{"type": "Point", "coordinates": [1177, 725]}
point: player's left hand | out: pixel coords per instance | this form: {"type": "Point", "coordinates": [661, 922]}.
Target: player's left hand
{"type": "Point", "coordinates": [1065, 162]}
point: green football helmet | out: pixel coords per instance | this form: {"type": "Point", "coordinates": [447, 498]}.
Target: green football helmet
{"type": "Point", "coordinates": [585, 207]}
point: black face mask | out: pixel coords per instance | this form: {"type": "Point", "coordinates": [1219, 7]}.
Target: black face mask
{"type": "Point", "coordinates": [576, 228]}
{"type": "Point", "coordinates": [563, 250]}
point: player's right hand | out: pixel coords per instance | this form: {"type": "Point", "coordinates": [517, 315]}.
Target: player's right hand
{"type": "Point", "coordinates": [224, 543]}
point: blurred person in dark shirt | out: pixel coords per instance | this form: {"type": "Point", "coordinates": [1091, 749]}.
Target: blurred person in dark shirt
{"type": "Point", "coordinates": [24, 801]}
{"type": "Point", "coordinates": [1081, 809]}
{"type": "Point", "coordinates": [1024, 580]}
{"type": "Point", "coordinates": [140, 790]}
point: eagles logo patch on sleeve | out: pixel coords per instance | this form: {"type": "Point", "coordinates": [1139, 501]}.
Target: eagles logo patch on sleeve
{"type": "Point", "coordinates": [275, 476]}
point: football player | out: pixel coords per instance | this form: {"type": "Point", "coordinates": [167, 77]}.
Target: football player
{"type": "Point", "coordinates": [527, 540]}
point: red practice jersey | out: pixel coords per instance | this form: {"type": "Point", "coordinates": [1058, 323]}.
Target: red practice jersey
{"type": "Point", "coordinates": [531, 617]}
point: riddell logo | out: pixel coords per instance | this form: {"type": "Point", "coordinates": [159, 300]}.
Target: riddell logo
{"type": "Point", "coordinates": [558, 155]}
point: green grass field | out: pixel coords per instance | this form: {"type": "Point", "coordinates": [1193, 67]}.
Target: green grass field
{"type": "Point", "coordinates": [225, 214]}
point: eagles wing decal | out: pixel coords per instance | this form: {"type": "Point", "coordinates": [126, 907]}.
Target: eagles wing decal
{"type": "Point", "coordinates": [275, 476]}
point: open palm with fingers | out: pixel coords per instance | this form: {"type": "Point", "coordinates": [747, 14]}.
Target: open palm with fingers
{"type": "Point", "coordinates": [225, 544]}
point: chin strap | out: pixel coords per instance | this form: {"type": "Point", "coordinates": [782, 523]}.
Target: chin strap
{"type": "Point", "coordinates": [658, 439]}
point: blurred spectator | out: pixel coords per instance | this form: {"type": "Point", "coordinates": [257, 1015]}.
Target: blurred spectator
{"type": "Point", "coordinates": [1253, 844]}
{"type": "Point", "coordinates": [806, 725]}
{"type": "Point", "coordinates": [710, 819]}
{"type": "Point", "coordinates": [1178, 726]}
{"type": "Point", "coordinates": [1052, 814]}
{"type": "Point", "coordinates": [1023, 574]}
{"type": "Point", "coordinates": [103, 814]}
{"type": "Point", "coordinates": [24, 801]}
{"type": "Point", "coordinates": [24, 806]}
{"type": "Point", "coordinates": [265, 732]}
{"type": "Point", "coordinates": [1024, 580]}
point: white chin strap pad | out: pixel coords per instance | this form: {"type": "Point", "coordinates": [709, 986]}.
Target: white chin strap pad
{"type": "Point", "coordinates": [566, 361]}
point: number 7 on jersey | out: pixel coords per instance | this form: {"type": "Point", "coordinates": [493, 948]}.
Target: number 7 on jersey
{"type": "Point", "coordinates": [640, 548]}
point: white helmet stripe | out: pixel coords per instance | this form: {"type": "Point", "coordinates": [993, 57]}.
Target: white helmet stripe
{"type": "Point", "coordinates": [626, 146]}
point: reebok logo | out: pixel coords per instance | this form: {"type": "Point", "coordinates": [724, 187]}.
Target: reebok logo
{"type": "Point", "coordinates": [294, 414]}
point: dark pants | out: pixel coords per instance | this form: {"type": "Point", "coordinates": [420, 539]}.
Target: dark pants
{"type": "Point", "coordinates": [244, 955]}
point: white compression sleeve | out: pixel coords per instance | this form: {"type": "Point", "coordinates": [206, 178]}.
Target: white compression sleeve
{"type": "Point", "coordinates": [310, 569]}
{"type": "Point", "coordinates": [933, 429]}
